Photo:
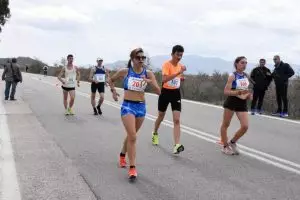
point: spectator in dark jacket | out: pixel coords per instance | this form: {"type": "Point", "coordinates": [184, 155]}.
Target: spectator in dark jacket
{"type": "Point", "coordinates": [10, 73]}
{"type": "Point", "coordinates": [262, 78]}
{"type": "Point", "coordinates": [281, 75]}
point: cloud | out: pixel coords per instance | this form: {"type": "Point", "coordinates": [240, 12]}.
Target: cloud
{"type": "Point", "coordinates": [50, 29]}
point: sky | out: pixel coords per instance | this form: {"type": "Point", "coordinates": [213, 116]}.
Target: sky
{"type": "Point", "coordinates": [51, 29]}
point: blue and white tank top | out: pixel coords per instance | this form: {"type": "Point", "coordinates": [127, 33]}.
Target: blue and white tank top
{"type": "Point", "coordinates": [241, 81]}
{"type": "Point", "coordinates": [134, 82]}
{"type": "Point", "coordinates": [99, 74]}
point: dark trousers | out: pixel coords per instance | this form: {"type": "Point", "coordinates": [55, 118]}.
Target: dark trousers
{"type": "Point", "coordinates": [258, 94]}
{"type": "Point", "coordinates": [13, 86]}
{"type": "Point", "coordinates": [281, 96]}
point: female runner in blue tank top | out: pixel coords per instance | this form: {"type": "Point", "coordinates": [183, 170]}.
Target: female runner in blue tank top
{"type": "Point", "coordinates": [133, 109]}
{"type": "Point", "coordinates": [238, 93]}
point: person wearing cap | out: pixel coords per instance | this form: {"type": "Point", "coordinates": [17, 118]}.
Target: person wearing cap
{"type": "Point", "coordinates": [98, 77]}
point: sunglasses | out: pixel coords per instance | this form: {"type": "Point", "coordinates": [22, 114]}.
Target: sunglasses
{"type": "Point", "coordinates": [243, 62]}
{"type": "Point", "coordinates": [140, 57]}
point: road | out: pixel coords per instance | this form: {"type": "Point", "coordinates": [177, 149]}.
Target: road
{"type": "Point", "coordinates": [46, 155]}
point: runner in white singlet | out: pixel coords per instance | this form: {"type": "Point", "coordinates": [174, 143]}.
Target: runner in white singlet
{"type": "Point", "coordinates": [71, 77]}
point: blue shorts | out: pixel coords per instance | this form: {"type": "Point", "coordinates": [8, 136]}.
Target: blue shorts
{"type": "Point", "coordinates": [138, 109]}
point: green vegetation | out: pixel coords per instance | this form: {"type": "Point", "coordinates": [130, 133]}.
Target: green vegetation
{"type": "Point", "coordinates": [4, 12]}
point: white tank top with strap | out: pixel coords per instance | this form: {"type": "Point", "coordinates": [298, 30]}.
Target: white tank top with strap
{"type": "Point", "coordinates": [70, 77]}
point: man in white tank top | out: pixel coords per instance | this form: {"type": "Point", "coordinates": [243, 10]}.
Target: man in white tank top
{"type": "Point", "coordinates": [71, 76]}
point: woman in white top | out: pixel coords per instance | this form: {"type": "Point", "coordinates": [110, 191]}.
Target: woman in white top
{"type": "Point", "coordinates": [71, 74]}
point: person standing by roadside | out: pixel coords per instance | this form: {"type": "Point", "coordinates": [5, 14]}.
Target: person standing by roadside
{"type": "Point", "coordinates": [262, 78]}
{"type": "Point", "coordinates": [11, 75]}
{"type": "Point", "coordinates": [281, 74]}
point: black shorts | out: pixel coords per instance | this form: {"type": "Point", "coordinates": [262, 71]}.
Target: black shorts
{"type": "Point", "coordinates": [236, 104]}
{"type": "Point", "coordinates": [97, 86]}
{"type": "Point", "coordinates": [67, 89]}
{"type": "Point", "coordinates": [169, 96]}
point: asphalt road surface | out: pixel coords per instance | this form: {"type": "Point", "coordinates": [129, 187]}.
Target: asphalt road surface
{"type": "Point", "coordinates": [47, 155]}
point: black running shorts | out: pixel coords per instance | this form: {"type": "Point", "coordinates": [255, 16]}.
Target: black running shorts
{"type": "Point", "coordinates": [67, 89]}
{"type": "Point", "coordinates": [97, 86]}
{"type": "Point", "coordinates": [167, 96]}
{"type": "Point", "coordinates": [236, 104]}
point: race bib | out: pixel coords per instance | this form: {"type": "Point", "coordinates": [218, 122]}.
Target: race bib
{"type": "Point", "coordinates": [136, 84]}
{"type": "Point", "coordinates": [71, 80]}
{"type": "Point", "coordinates": [99, 77]}
{"type": "Point", "coordinates": [242, 84]}
{"type": "Point", "coordinates": [174, 83]}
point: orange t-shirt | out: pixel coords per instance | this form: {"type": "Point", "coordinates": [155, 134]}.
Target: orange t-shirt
{"type": "Point", "coordinates": [169, 69]}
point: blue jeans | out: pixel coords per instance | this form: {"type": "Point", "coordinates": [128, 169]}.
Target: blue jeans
{"type": "Point", "coordinates": [8, 85]}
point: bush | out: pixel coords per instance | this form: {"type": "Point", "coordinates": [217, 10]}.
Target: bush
{"type": "Point", "coordinates": [210, 89]}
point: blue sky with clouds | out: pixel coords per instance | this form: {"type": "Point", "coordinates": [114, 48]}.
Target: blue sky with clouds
{"type": "Point", "coordinates": [50, 29]}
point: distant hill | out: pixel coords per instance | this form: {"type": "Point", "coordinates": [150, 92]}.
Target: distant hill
{"type": "Point", "coordinates": [197, 64]}
{"type": "Point", "coordinates": [23, 61]}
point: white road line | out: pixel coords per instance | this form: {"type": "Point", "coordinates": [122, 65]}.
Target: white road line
{"type": "Point", "coordinates": [243, 151]}
{"type": "Point", "coordinates": [9, 183]}
{"type": "Point", "coordinates": [35, 77]}
{"type": "Point", "coordinates": [259, 155]}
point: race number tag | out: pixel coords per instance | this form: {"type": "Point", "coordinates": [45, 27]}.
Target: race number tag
{"type": "Point", "coordinates": [136, 84]}
{"type": "Point", "coordinates": [71, 80]}
{"type": "Point", "coordinates": [242, 84]}
{"type": "Point", "coordinates": [174, 83]}
{"type": "Point", "coordinates": [99, 77]}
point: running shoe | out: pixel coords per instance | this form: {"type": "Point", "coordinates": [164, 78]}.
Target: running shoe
{"type": "Point", "coordinates": [132, 173]}
{"type": "Point", "coordinates": [95, 111]}
{"type": "Point", "coordinates": [99, 110]}
{"type": "Point", "coordinates": [284, 114]}
{"type": "Point", "coordinates": [155, 139]}
{"type": "Point", "coordinates": [122, 162]}
{"type": "Point", "coordinates": [178, 148]}
{"type": "Point", "coordinates": [234, 148]}
{"type": "Point", "coordinates": [227, 150]}
{"type": "Point", "coordinates": [67, 112]}
{"type": "Point", "coordinates": [71, 112]}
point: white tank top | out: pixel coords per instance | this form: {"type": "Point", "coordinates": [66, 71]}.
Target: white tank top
{"type": "Point", "coordinates": [70, 77]}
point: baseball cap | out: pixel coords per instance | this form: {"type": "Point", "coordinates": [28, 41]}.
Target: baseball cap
{"type": "Point", "coordinates": [99, 59]}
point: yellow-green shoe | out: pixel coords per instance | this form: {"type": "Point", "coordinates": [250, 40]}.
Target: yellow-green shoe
{"type": "Point", "coordinates": [178, 148]}
{"type": "Point", "coordinates": [71, 112]}
{"type": "Point", "coordinates": [155, 139]}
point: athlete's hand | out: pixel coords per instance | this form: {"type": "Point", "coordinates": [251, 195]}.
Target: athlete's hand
{"type": "Point", "coordinates": [146, 79]}
{"type": "Point", "coordinates": [96, 82]}
{"type": "Point", "coordinates": [78, 84]}
{"type": "Point", "coordinates": [63, 82]}
{"type": "Point", "coordinates": [115, 96]}
{"type": "Point", "coordinates": [183, 69]}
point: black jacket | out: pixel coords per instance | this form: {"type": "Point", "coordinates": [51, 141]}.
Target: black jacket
{"type": "Point", "coordinates": [262, 77]}
{"type": "Point", "coordinates": [282, 73]}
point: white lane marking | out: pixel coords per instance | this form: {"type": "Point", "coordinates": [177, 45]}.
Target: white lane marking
{"type": "Point", "coordinates": [220, 107]}
{"type": "Point", "coordinates": [259, 155]}
{"type": "Point", "coordinates": [200, 103]}
{"type": "Point", "coordinates": [9, 183]}
{"type": "Point", "coordinates": [243, 149]}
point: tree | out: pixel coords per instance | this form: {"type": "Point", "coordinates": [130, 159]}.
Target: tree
{"type": "Point", "coordinates": [63, 62]}
{"type": "Point", "coordinates": [4, 12]}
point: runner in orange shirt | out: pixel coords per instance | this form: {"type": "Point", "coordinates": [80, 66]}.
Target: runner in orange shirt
{"type": "Point", "coordinates": [172, 72]}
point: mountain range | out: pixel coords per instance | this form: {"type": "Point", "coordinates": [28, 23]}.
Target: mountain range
{"type": "Point", "coordinates": [197, 64]}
